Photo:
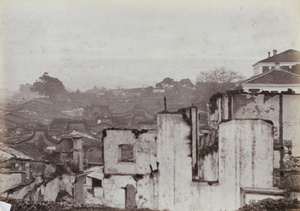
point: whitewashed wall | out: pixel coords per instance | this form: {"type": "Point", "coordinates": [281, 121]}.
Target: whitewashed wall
{"type": "Point", "coordinates": [245, 156]}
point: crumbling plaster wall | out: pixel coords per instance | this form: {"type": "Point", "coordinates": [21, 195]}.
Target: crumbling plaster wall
{"type": "Point", "coordinates": [9, 180]}
{"type": "Point", "coordinates": [143, 148]}
{"type": "Point", "coordinates": [136, 173]}
{"type": "Point", "coordinates": [41, 190]}
{"type": "Point", "coordinates": [114, 191]}
{"type": "Point", "coordinates": [25, 192]}
{"type": "Point", "coordinates": [207, 157]}
{"type": "Point", "coordinates": [50, 190]}
{"type": "Point", "coordinates": [94, 194]}
{"type": "Point", "coordinates": [247, 106]}
{"type": "Point", "coordinates": [291, 123]}
{"type": "Point", "coordinates": [175, 163]}
{"type": "Point", "coordinates": [291, 142]}
{"type": "Point", "coordinates": [245, 159]}
{"type": "Point", "coordinates": [209, 167]}
{"type": "Point", "coordinates": [267, 107]}
{"type": "Point", "coordinates": [67, 183]}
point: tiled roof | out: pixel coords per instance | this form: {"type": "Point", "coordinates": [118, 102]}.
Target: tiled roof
{"type": "Point", "coordinates": [30, 150]}
{"type": "Point", "coordinates": [17, 154]}
{"type": "Point", "coordinates": [286, 56]}
{"type": "Point", "coordinates": [274, 77]}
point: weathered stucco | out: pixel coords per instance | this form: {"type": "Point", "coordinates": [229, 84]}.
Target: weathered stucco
{"type": "Point", "coordinates": [267, 107]}
{"type": "Point", "coordinates": [207, 155]}
{"type": "Point", "coordinates": [114, 191]}
{"type": "Point", "coordinates": [42, 189]}
{"type": "Point", "coordinates": [247, 106]}
{"type": "Point", "coordinates": [291, 123]}
{"type": "Point", "coordinates": [143, 149]}
{"type": "Point", "coordinates": [174, 158]}
{"type": "Point", "coordinates": [284, 111]}
{"type": "Point", "coordinates": [51, 190]}
{"type": "Point", "coordinates": [160, 174]}
{"type": "Point", "coordinates": [10, 180]}
{"type": "Point", "coordinates": [209, 168]}
{"type": "Point", "coordinates": [26, 191]}
{"type": "Point", "coordinates": [67, 183]}
{"type": "Point", "coordinates": [93, 195]}
{"type": "Point", "coordinates": [245, 160]}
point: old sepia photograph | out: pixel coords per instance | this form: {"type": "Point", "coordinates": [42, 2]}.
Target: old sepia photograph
{"type": "Point", "coordinates": [172, 105]}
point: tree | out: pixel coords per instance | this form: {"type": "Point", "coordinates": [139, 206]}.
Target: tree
{"type": "Point", "coordinates": [186, 83]}
{"type": "Point", "coordinates": [166, 83]}
{"type": "Point", "coordinates": [219, 76]}
{"type": "Point", "coordinates": [214, 81]}
{"type": "Point", "coordinates": [170, 83]}
{"type": "Point", "coordinates": [25, 88]}
{"type": "Point", "coordinates": [48, 86]}
{"type": "Point", "coordinates": [25, 93]}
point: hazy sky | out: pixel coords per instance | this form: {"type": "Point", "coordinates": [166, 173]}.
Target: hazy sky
{"type": "Point", "coordinates": [138, 43]}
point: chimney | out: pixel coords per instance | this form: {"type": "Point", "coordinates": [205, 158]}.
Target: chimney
{"type": "Point", "coordinates": [277, 66]}
{"type": "Point", "coordinates": [269, 54]}
{"type": "Point", "coordinates": [274, 52]}
{"type": "Point", "coordinates": [77, 153]}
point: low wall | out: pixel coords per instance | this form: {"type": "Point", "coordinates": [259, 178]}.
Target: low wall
{"type": "Point", "coordinates": [9, 180]}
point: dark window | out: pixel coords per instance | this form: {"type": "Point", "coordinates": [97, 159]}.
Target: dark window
{"type": "Point", "coordinates": [285, 67]}
{"type": "Point", "coordinates": [266, 68]}
{"type": "Point", "coordinates": [126, 153]}
{"type": "Point", "coordinates": [96, 183]}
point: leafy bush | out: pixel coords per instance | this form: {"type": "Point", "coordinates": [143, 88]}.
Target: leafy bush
{"type": "Point", "coordinates": [23, 205]}
{"type": "Point", "coordinates": [271, 205]}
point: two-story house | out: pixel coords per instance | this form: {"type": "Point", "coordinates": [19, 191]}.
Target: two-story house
{"type": "Point", "coordinates": [285, 59]}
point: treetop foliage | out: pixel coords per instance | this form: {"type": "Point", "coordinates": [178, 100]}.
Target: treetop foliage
{"type": "Point", "coordinates": [219, 75]}
{"type": "Point", "coordinates": [169, 83]}
{"type": "Point", "coordinates": [48, 86]}
{"type": "Point", "coordinates": [214, 81]}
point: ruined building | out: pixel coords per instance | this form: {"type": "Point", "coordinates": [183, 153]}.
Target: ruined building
{"type": "Point", "coordinates": [250, 150]}
{"type": "Point", "coordinates": [273, 96]}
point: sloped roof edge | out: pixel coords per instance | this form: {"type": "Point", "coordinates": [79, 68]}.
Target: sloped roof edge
{"type": "Point", "coordinates": [284, 56]}
{"type": "Point", "coordinates": [275, 73]}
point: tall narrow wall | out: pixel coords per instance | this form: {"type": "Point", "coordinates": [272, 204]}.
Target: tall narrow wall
{"type": "Point", "coordinates": [174, 158]}
{"type": "Point", "coordinates": [246, 157]}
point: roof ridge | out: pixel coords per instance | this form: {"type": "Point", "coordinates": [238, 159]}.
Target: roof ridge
{"type": "Point", "coordinates": [257, 76]}
{"type": "Point", "coordinates": [275, 76]}
{"type": "Point", "coordinates": [290, 72]}
{"type": "Point", "coordinates": [277, 55]}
